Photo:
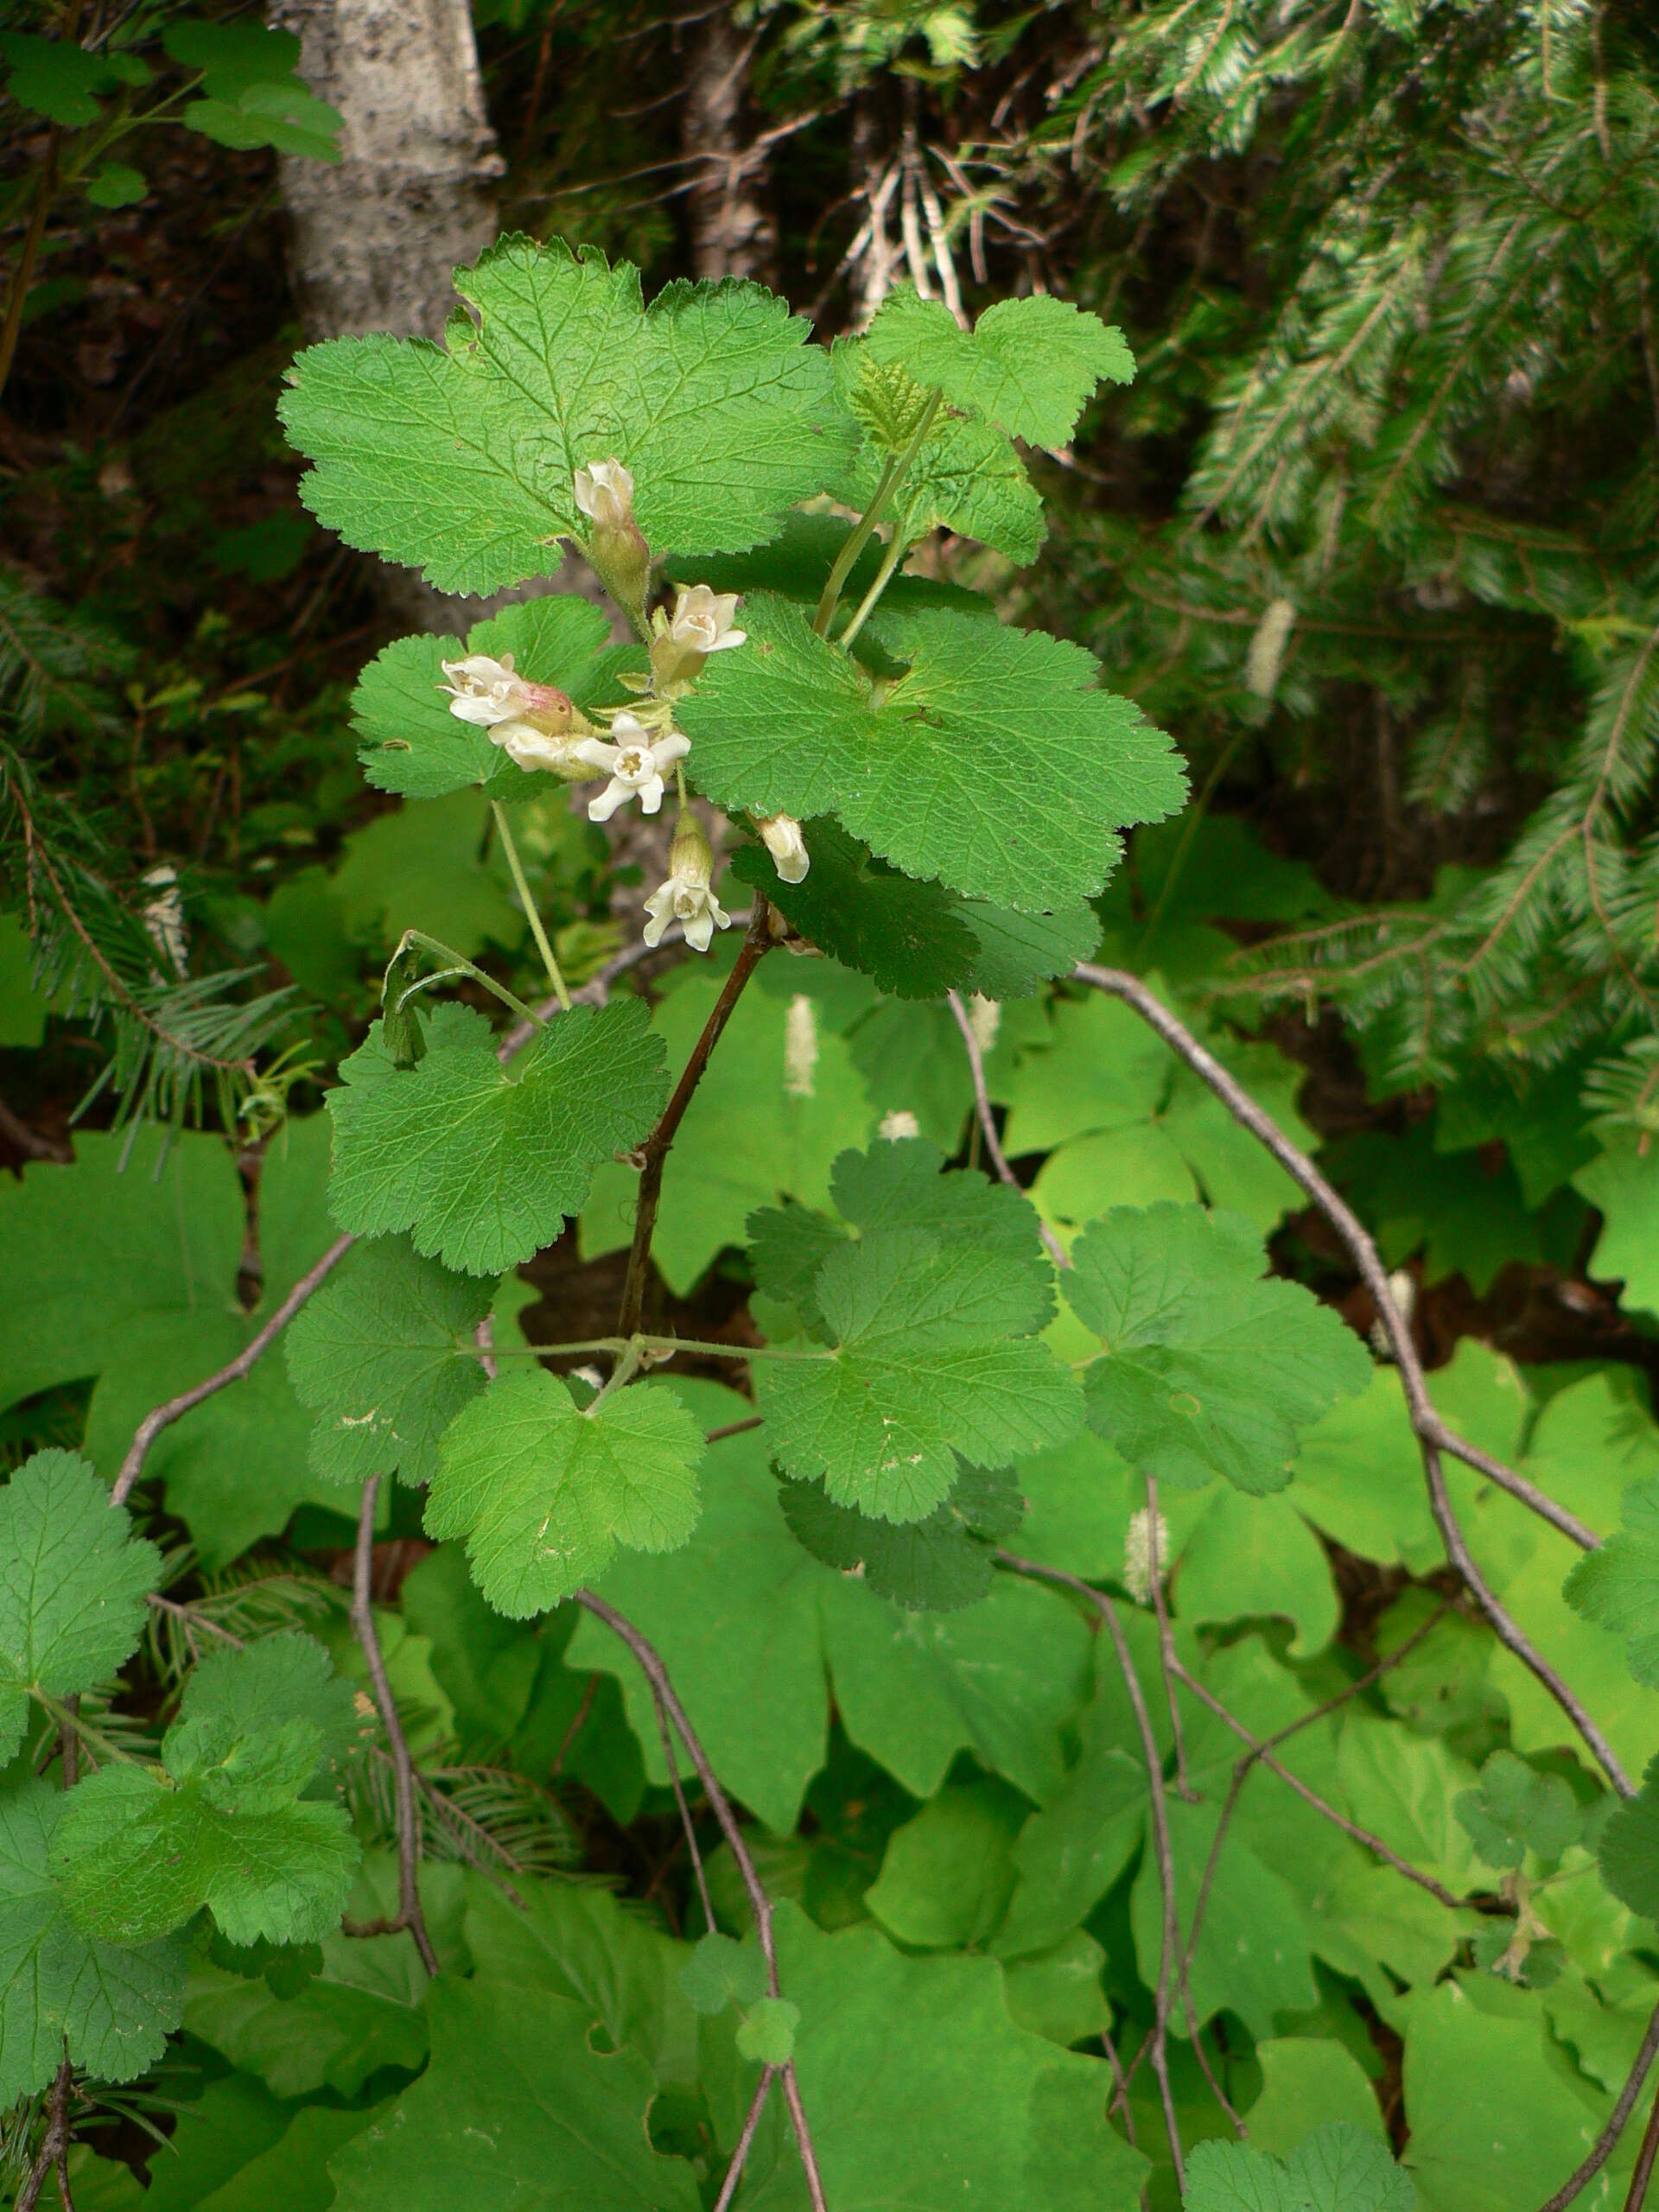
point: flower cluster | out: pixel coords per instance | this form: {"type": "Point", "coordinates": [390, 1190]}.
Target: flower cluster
{"type": "Point", "coordinates": [538, 727]}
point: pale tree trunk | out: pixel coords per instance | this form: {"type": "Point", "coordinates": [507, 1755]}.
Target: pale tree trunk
{"type": "Point", "coordinates": [732, 234]}
{"type": "Point", "coordinates": [373, 239]}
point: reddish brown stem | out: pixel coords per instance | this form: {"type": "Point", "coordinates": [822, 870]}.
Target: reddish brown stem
{"type": "Point", "coordinates": [655, 1151]}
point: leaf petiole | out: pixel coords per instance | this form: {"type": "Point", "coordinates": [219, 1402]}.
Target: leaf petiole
{"type": "Point", "coordinates": [892, 476]}
{"type": "Point", "coordinates": [531, 914]}
{"type": "Point", "coordinates": [464, 967]}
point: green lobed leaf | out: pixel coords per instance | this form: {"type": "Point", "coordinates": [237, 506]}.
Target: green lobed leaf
{"type": "Point", "coordinates": [935, 1566]}
{"type": "Point", "coordinates": [1629, 1852]}
{"type": "Point", "coordinates": [724, 1971]}
{"type": "Point", "coordinates": [483, 1162]}
{"type": "Point", "coordinates": [932, 1354]}
{"type": "Point", "coordinates": [385, 1356]}
{"type": "Point", "coordinates": [965, 476]}
{"type": "Point", "coordinates": [544, 1494]}
{"type": "Point", "coordinates": [1028, 365]}
{"type": "Point", "coordinates": [993, 763]}
{"type": "Point", "coordinates": [60, 79]}
{"type": "Point", "coordinates": [229, 1823]}
{"type": "Point", "coordinates": [1338, 2169]}
{"type": "Point", "coordinates": [114, 2005]}
{"type": "Point", "coordinates": [1515, 1809]}
{"type": "Point", "coordinates": [1617, 1585]}
{"type": "Point", "coordinates": [766, 2034]}
{"type": "Point", "coordinates": [409, 741]}
{"type": "Point", "coordinates": [755, 1634]}
{"type": "Point", "coordinates": [73, 1584]}
{"type": "Point", "coordinates": [1208, 1368]}
{"type": "Point", "coordinates": [914, 2067]}
{"type": "Point", "coordinates": [917, 940]}
{"type": "Point", "coordinates": [460, 459]}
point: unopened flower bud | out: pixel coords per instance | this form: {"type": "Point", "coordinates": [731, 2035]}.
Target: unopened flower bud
{"type": "Point", "coordinates": [605, 494]}
{"type": "Point", "coordinates": [621, 558]}
{"type": "Point", "coordinates": [781, 835]}
{"type": "Point", "coordinates": [486, 692]}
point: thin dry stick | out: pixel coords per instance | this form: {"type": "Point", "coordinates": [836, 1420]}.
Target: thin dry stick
{"type": "Point", "coordinates": [1166, 1640]}
{"type": "Point", "coordinates": [1242, 1768]}
{"type": "Point", "coordinates": [409, 1835]}
{"type": "Point", "coordinates": [1644, 2162]}
{"type": "Point", "coordinates": [54, 2144]}
{"type": "Point", "coordinates": [657, 1675]}
{"type": "Point", "coordinates": [1607, 2142]}
{"type": "Point", "coordinates": [1430, 1431]}
{"type": "Point", "coordinates": [993, 1152]}
{"type": "Point", "coordinates": [655, 1150]}
{"type": "Point", "coordinates": [1120, 2089]}
{"type": "Point", "coordinates": [740, 2156]}
{"type": "Point", "coordinates": [1156, 2043]}
{"type": "Point", "coordinates": [1363, 1836]}
{"type": "Point", "coordinates": [233, 1370]}
{"type": "Point", "coordinates": [673, 1765]}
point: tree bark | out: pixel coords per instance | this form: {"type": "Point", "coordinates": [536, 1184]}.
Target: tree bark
{"type": "Point", "coordinates": [732, 234]}
{"type": "Point", "coordinates": [374, 239]}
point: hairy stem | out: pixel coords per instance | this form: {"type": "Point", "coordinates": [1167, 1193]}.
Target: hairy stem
{"type": "Point", "coordinates": [895, 553]}
{"type": "Point", "coordinates": [533, 914]}
{"type": "Point", "coordinates": [655, 1150]}
{"type": "Point", "coordinates": [410, 1914]}
{"type": "Point", "coordinates": [892, 476]}
{"type": "Point", "coordinates": [987, 1123]}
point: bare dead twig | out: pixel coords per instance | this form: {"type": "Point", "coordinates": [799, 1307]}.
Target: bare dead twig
{"type": "Point", "coordinates": [410, 1914]}
{"type": "Point", "coordinates": [1607, 2141]}
{"type": "Point", "coordinates": [740, 2155]}
{"type": "Point", "coordinates": [1156, 2045]}
{"type": "Point", "coordinates": [691, 1832]}
{"type": "Point", "coordinates": [1166, 1640]}
{"type": "Point", "coordinates": [54, 2144]}
{"type": "Point", "coordinates": [993, 1152]}
{"type": "Point", "coordinates": [1432, 1434]}
{"type": "Point", "coordinates": [656, 1674]}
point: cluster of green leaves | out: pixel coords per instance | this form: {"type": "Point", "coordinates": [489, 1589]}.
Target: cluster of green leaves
{"type": "Point", "coordinates": [240, 88]}
{"type": "Point", "coordinates": [943, 1770]}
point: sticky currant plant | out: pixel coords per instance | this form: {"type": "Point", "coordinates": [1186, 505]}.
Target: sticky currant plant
{"type": "Point", "coordinates": [954, 1583]}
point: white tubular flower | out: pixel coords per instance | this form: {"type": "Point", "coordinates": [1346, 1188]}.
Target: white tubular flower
{"type": "Point", "coordinates": [486, 692]}
{"type": "Point", "coordinates": [781, 835]}
{"type": "Point", "coordinates": [702, 621]}
{"type": "Point", "coordinates": [532, 748]}
{"type": "Point", "coordinates": [1138, 1541]}
{"type": "Point", "coordinates": [605, 494]}
{"type": "Point", "coordinates": [898, 1125]}
{"type": "Point", "coordinates": [634, 763]}
{"type": "Point", "coordinates": [686, 898]}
